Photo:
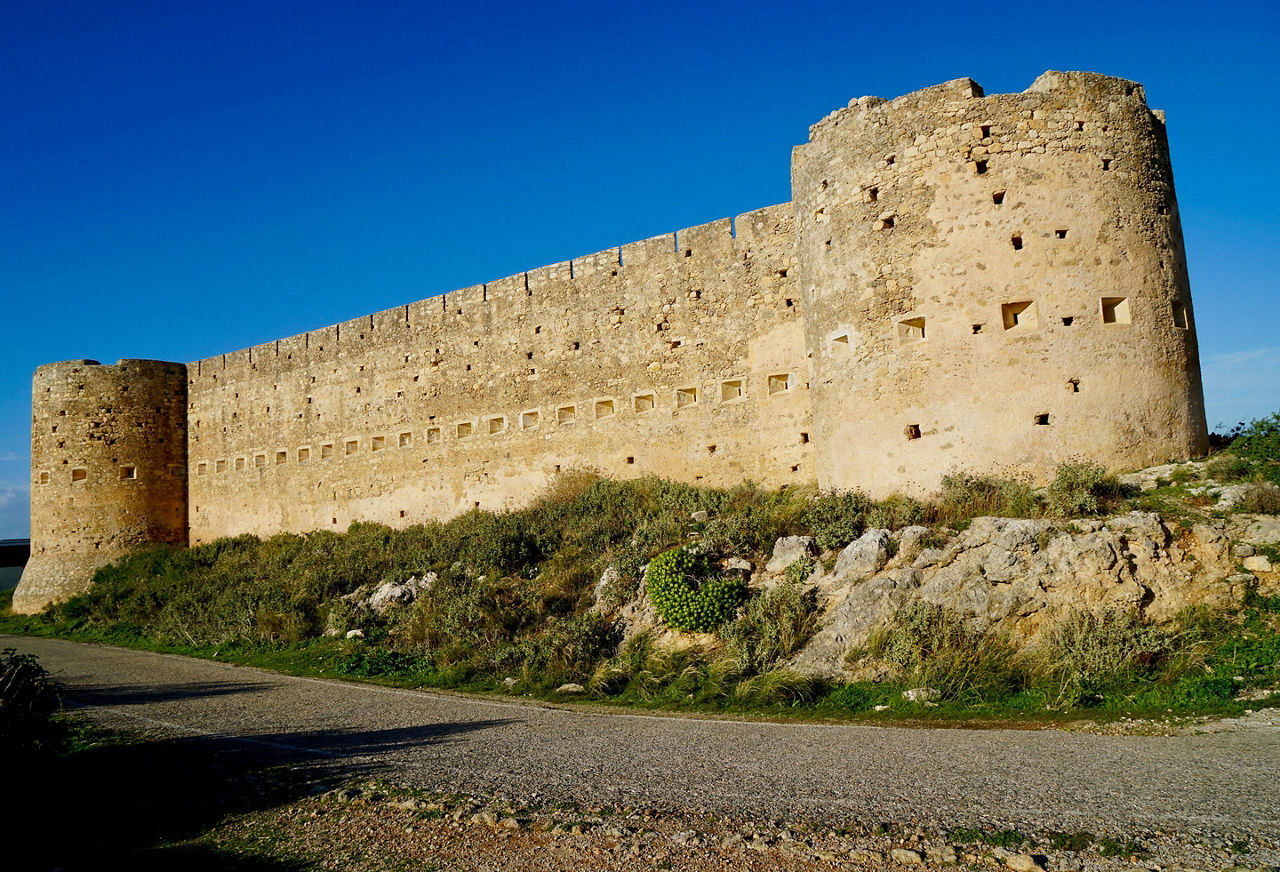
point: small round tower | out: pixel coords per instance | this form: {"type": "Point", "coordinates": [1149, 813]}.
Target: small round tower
{"type": "Point", "coordinates": [995, 285]}
{"type": "Point", "coordinates": [108, 470]}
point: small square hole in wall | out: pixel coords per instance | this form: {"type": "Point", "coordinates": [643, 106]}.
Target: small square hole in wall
{"type": "Point", "coordinates": [1073, 385]}
{"type": "Point", "coordinates": [1115, 310]}
{"type": "Point", "coordinates": [911, 431]}
{"type": "Point", "coordinates": [406, 440]}
{"type": "Point", "coordinates": [789, 303]}
{"type": "Point", "coordinates": [378, 443]}
{"type": "Point", "coordinates": [840, 345]}
{"type": "Point", "coordinates": [977, 328]}
{"type": "Point", "coordinates": [463, 430]}
{"type": "Point", "coordinates": [1079, 126]}
{"type": "Point", "coordinates": [630, 461]}
{"type": "Point", "coordinates": [731, 390]}
{"type": "Point", "coordinates": [885, 222]}
{"type": "Point", "coordinates": [1106, 164]}
{"type": "Point", "coordinates": [333, 521]}
{"type": "Point", "coordinates": [240, 463]}
{"type": "Point", "coordinates": [711, 449]}
{"type": "Point", "coordinates": [911, 330]}
{"type": "Point", "coordinates": [1042, 420]}
{"type": "Point", "coordinates": [326, 450]}
{"type": "Point", "coordinates": [998, 198]}
{"type": "Point", "coordinates": [1016, 241]}
{"type": "Point", "coordinates": [529, 420]}
{"type": "Point", "coordinates": [497, 424]}
{"type": "Point", "coordinates": [1068, 320]}
{"type": "Point", "coordinates": [259, 460]}
{"type": "Point", "coordinates": [604, 409]}
{"type": "Point", "coordinates": [782, 273]}
{"type": "Point", "coordinates": [81, 474]}
{"type": "Point", "coordinates": [304, 455]}
{"type": "Point", "coordinates": [688, 252]}
{"type": "Point", "coordinates": [282, 457]}
{"type": "Point", "coordinates": [566, 415]}
{"type": "Point", "coordinates": [577, 346]}
{"type": "Point", "coordinates": [686, 397]}
{"type": "Point", "coordinates": [804, 438]}
{"type": "Point", "coordinates": [433, 435]}
{"type": "Point", "coordinates": [1059, 234]}
{"type": "Point", "coordinates": [779, 383]}
{"type": "Point", "coordinates": [402, 513]}
{"type": "Point", "coordinates": [1180, 315]}
{"type": "Point", "coordinates": [676, 343]}
{"type": "Point", "coordinates": [219, 466]}
{"type": "Point", "coordinates": [871, 195]}
{"type": "Point", "coordinates": [130, 472]}
{"type": "Point", "coordinates": [351, 447]}
{"type": "Point", "coordinates": [644, 402]}
{"type": "Point", "coordinates": [980, 167]}
{"type": "Point", "coordinates": [1019, 314]}
{"type": "Point", "coordinates": [44, 478]}
{"type": "Point", "coordinates": [985, 130]}
{"type": "Point", "coordinates": [890, 160]}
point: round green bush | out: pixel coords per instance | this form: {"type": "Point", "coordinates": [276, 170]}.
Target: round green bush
{"type": "Point", "coordinates": [685, 597]}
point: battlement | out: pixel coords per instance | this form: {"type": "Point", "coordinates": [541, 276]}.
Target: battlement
{"type": "Point", "coordinates": [960, 282]}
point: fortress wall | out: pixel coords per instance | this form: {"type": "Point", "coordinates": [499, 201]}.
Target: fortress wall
{"type": "Point", "coordinates": [629, 361]}
{"type": "Point", "coordinates": [995, 284]}
{"type": "Point", "coordinates": [108, 464]}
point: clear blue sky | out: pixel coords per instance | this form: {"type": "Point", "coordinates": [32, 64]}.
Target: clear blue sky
{"type": "Point", "coordinates": [183, 179]}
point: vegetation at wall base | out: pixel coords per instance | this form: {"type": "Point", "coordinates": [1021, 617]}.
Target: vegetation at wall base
{"type": "Point", "coordinates": [511, 605]}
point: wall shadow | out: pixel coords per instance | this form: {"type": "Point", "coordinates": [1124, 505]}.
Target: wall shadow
{"type": "Point", "coordinates": [139, 804]}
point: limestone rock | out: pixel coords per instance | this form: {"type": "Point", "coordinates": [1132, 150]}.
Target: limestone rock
{"type": "Point", "coordinates": [921, 694]}
{"type": "Point", "coordinates": [1024, 863]}
{"type": "Point", "coordinates": [864, 556]}
{"type": "Point", "coordinates": [1257, 563]}
{"type": "Point", "coordinates": [905, 857]}
{"type": "Point", "coordinates": [787, 551]}
{"type": "Point", "coordinates": [571, 688]}
{"type": "Point", "coordinates": [393, 593]}
{"type": "Point", "coordinates": [355, 634]}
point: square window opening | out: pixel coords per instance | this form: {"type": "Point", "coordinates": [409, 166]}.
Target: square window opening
{"type": "Point", "coordinates": [240, 462]}
{"type": "Point", "coordinates": [1019, 314]}
{"type": "Point", "coordinates": [604, 409]}
{"type": "Point", "coordinates": [529, 420]}
{"type": "Point", "coordinates": [379, 443]}
{"type": "Point", "coordinates": [644, 402]}
{"type": "Point", "coordinates": [326, 451]}
{"type": "Point", "coordinates": [911, 330]}
{"type": "Point", "coordinates": [259, 460]}
{"type": "Point", "coordinates": [304, 455]}
{"type": "Point", "coordinates": [433, 435]}
{"type": "Point", "coordinates": [686, 397]}
{"type": "Point", "coordinates": [911, 431]}
{"type": "Point", "coordinates": [1068, 320]}
{"type": "Point", "coordinates": [405, 440]}
{"type": "Point", "coordinates": [731, 390]}
{"type": "Point", "coordinates": [804, 438]}
{"type": "Point", "coordinates": [497, 424]}
{"type": "Point", "coordinates": [130, 472]}
{"type": "Point", "coordinates": [779, 383]}
{"type": "Point", "coordinates": [351, 447]}
{"type": "Point", "coordinates": [1180, 315]}
{"type": "Point", "coordinates": [1115, 310]}
{"type": "Point", "coordinates": [219, 466]}
{"type": "Point", "coordinates": [998, 198]}
{"type": "Point", "coordinates": [840, 345]}
{"type": "Point", "coordinates": [566, 415]}
{"type": "Point", "coordinates": [463, 430]}
{"type": "Point", "coordinates": [1042, 420]}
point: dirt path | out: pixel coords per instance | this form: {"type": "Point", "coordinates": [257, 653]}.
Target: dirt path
{"type": "Point", "coordinates": [1200, 785]}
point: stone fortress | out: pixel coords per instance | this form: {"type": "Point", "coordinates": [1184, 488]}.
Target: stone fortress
{"type": "Point", "coordinates": [961, 282]}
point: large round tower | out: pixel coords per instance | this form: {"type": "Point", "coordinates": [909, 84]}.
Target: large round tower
{"type": "Point", "coordinates": [995, 283]}
{"type": "Point", "coordinates": [108, 470]}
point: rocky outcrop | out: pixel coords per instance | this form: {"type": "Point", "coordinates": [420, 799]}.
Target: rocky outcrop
{"type": "Point", "coordinates": [1021, 574]}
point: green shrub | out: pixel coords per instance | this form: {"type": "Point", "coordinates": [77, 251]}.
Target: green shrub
{"type": "Point", "coordinates": [774, 625]}
{"type": "Point", "coordinates": [964, 497]}
{"type": "Point", "coordinates": [686, 597]}
{"type": "Point", "coordinates": [1085, 652]}
{"type": "Point", "coordinates": [29, 699]}
{"type": "Point", "coordinates": [836, 518]}
{"type": "Point", "coordinates": [1228, 468]}
{"type": "Point", "coordinates": [933, 646]}
{"type": "Point", "coordinates": [1082, 488]}
{"type": "Point", "coordinates": [1258, 440]}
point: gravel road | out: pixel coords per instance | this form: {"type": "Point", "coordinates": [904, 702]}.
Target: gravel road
{"type": "Point", "coordinates": [1195, 785]}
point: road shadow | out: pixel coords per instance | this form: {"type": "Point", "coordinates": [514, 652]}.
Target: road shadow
{"type": "Point", "coordinates": [149, 803]}
{"type": "Point", "coordinates": [112, 695]}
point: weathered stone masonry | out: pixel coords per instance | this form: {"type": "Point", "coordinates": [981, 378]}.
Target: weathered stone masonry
{"type": "Point", "coordinates": [960, 282]}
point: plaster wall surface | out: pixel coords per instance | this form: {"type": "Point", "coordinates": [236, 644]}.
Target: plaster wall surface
{"type": "Point", "coordinates": [961, 283]}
